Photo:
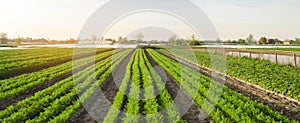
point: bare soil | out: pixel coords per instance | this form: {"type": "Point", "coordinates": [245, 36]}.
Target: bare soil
{"type": "Point", "coordinates": [30, 92]}
{"type": "Point", "coordinates": [110, 88]}
{"type": "Point", "coordinates": [173, 88]}
{"type": "Point", "coordinates": [93, 110]}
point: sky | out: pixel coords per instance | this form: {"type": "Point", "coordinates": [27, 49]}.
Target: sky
{"type": "Point", "coordinates": [233, 19]}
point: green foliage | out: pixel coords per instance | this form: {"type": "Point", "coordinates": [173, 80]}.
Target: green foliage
{"type": "Point", "coordinates": [262, 40]}
{"type": "Point", "coordinates": [282, 79]}
{"type": "Point", "coordinates": [232, 106]}
{"type": "Point", "coordinates": [3, 38]}
{"type": "Point", "coordinates": [13, 86]}
{"type": "Point", "coordinates": [16, 62]}
{"type": "Point", "coordinates": [118, 99]}
{"type": "Point", "coordinates": [297, 41]}
{"type": "Point", "coordinates": [58, 102]}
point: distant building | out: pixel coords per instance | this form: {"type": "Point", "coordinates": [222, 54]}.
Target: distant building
{"type": "Point", "coordinates": [288, 42]}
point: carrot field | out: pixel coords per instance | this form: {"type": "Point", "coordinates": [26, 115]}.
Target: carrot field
{"type": "Point", "coordinates": [142, 85]}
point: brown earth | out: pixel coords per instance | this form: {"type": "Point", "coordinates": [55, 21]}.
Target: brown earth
{"type": "Point", "coordinates": [173, 88]}
{"type": "Point", "coordinates": [278, 102]}
{"type": "Point", "coordinates": [93, 111]}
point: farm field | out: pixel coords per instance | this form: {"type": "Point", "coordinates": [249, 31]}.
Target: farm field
{"type": "Point", "coordinates": [34, 60]}
{"type": "Point", "coordinates": [282, 79]}
{"type": "Point", "coordinates": [51, 85]}
{"type": "Point", "coordinates": [278, 49]}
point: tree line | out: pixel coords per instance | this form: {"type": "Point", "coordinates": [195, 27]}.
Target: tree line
{"type": "Point", "coordinates": [173, 39]}
{"type": "Point", "coordinates": [21, 40]}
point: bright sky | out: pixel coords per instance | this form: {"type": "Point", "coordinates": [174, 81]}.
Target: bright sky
{"type": "Point", "coordinates": [62, 19]}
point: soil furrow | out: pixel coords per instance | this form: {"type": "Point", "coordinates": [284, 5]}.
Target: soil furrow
{"type": "Point", "coordinates": [96, 108]}
{"type": "Point", "coordinates": [173, 88]}
{"type": "Point", "coordinates": [30, 92]}
{"type": "Point", "coordinates": [38, 68]}
{"type": "Point", "coordinates": [278, 102]}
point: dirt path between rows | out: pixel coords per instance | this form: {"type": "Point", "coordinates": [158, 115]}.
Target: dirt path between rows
{"type": "Point", "coordinates": [30, 92]}
{"type": "Point", "coordinates": [93, 110]}
{"type": "Point", "coordinates": [174, 88]}
{"type": "Point", "coordinates": [50, 64]}
{"type": "Point", "coordinates": [278, 102]}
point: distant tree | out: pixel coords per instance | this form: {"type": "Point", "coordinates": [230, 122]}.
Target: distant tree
{"type": "Point", "coordinates": [277, 41]}
{"type": "Point", "coordinates": [180, 42]}
{"type": "Point", "coordinates": [18, 40]}
{"type": "Point", "coordinates": [192, 39]}
{"type": "Point", "coordinates": [200, 42]}
{"type": "Point", "coordinates": [139, 37]}
{"type": "Point", "coordinates": [94, 38]}
{"type": "Point", "coordinates": [219, 40]}
{"type": "Point", "coordinates": [241, 41]}
{"type": "Point", "coordinates": [172, 39]}
{"type": "Point", "coordinates": [3, 38]}
{"type": "Point", "coordinates": [297, 41]}
{"type": "Point", "coordinates": [113, 41]}
{"type": "Point", "coordinates": [262, 40]}
{"type": "Point", "coordinates": [78, 39]}
{"type": "Point", "coordinates": [109, 39]}
{"type": "Point", "coordinates": [270, 41]}
{"type": "Point", "coordinates": [228, 41]}
{"type": "Point", "coordinates": [124, 39]}
{"type": "Point", "coordinates": [72, 41]}
{"type": "Point", "coordinates": [234, 41]}
{"type": "Point", "coordinates": [250, 39]}
{"type": "Point", "coordinates": [120, 38]}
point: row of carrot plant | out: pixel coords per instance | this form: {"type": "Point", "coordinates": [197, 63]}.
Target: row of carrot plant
{"type": "Point", "coordinates": [283, 79]}
{"type": "Point", "coordinates": [14, 66]}
{"type": "Point", "coordinates": [60, 101]}
{"type": "Point", "coordinates": [24, 54]}
{"type": "Point", "coordinates": [231, 107]}
{"type": "Point", "coordinates": [143, 79]}
{"type": "Point", "coordinates": [13, 86]}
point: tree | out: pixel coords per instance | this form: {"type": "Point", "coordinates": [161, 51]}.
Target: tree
{"type": "Point", "coordinates": [124, 39]}
{"type": "Point", "coordinates": [218, 41]}
{"type": "Point", "coordinates": [241, 41]}
{"type": "Point", "coordinates": [113, 41]}
{"type": "Point", "coordinates": [120, 38]}
{"type": "Point", "coordinates": [3, 38]}
{"type": "Point", "coordinates": [297, 41]}
{"type": "Point", "coordinates": [233, 41]}
{"type": "Point", "coordinates": [192, 39]}
{"type": "Point", "coordinates": [250, 39]}
{"type": "Point", "coordinates": [71, 41]}
{"type": "Point", "coordinates": [94, 38]}
{"type": "Point", "coordinates": [180, 42]}
{"type": "Point", "coordinates": [172, 39]}
{"type": "Point", "coordinates": [139, 37]}
{"type": "Point", "coordinates": [228, 41]}
{"type": "Point", "coordinates": [18, 40]}
{"type": "Point", "coordinates": [277, 41]}
{"type": "Point", "coordinates": [262, 40]}
{"type": "Point", "coordinates": [270, 41]}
